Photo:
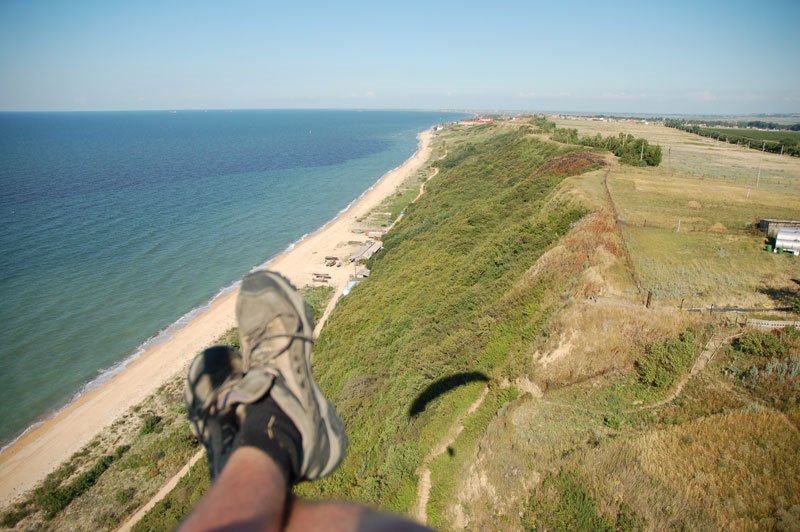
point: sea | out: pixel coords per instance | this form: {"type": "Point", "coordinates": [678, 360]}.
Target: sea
{"type": "Point", "coordinates": [117, 227]}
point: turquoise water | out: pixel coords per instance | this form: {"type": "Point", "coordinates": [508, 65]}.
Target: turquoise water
{"type": "Point", "coordinates": [115, 225]}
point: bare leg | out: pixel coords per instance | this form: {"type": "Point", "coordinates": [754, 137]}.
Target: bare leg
{"type": "Point", "coordinates": [250, 494]}
{"type": "Point", "coordinates": [311, 516]}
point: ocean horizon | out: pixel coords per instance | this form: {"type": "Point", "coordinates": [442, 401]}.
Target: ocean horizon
{"type": "Point", "coordinates": [120, 226]}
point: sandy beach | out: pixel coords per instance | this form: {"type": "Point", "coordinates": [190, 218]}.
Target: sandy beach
{"type": "Point", "coordinates": [42, 449]}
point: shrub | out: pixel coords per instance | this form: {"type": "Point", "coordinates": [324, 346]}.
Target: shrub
{"type": "Point", "coordinates": [123, 495]}
{"type": "Point", "coordinates": [15, 515]}
{"type": "Point", "coordinates": [664, 360]}
{"type": "Point", "coordinates": [52, 499]}
{"type": "Point", "coordinates": [150, 424]}
{"type": "Point", "coordinates": [759, 343]}
{"type": "Point", "coordinates": [317, 298]}
{"type": "Point", "coordinates": [565, 504]}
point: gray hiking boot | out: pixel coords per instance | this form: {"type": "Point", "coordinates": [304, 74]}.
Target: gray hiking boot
{"type": "Point", "coordinates": [215, 391]}
{"type": "Point", "coordinates": [213, 371]}
{"type": "Point", "coordinates": [276, 328]}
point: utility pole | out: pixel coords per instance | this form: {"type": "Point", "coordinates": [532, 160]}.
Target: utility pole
{"type": "Point", "coordinates": [758, 179]}
{"type": "Point", "coordinates": [641, 155]}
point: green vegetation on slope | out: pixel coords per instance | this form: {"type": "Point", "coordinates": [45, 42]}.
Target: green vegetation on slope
{"type": "Point", "coordinates": [630, 150]}
{"type": "Point", "coordinates": [443, 299]}
{"type": "Point", "coordinates": [445, 469]}
{"type": "Point", "coordinates": [170, 511]}
{"type": "Point", "coordinates": [317, 298]}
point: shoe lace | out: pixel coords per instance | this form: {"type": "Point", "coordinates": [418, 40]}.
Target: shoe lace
{"type": "Point", "coordinates": [262, 335]}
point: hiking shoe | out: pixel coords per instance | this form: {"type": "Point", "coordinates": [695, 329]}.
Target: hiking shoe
{"type": "Point", "coordinates": [215, 395]}
{"type": "Point", "coordinates": [213, 422]}
{"type": "Point", "coordinates": [276, 328]}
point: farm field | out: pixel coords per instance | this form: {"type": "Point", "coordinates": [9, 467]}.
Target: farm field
{"type": "Point", "coordinates": [714, 192]}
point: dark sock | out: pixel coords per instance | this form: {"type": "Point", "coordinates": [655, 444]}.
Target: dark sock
{"type": "Point", "coordinates": [266, 427]}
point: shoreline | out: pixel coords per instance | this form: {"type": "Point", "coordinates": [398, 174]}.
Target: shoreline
{"type": "Point", "coordinates": [50, 441]}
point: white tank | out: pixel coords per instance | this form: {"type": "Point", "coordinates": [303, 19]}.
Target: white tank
{"type": "Point", "coordinates": [788, 238]}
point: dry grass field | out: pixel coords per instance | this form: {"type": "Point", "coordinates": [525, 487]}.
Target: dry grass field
{"type": "Point", "coordinates": [589, 446]}
{"type": "Point", "coordinates": [688, 223]}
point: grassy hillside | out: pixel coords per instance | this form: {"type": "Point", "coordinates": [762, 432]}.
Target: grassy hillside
{"type": "Point", "coordinates": [444, 298]}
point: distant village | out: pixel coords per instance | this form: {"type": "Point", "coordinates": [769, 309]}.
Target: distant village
{"type": "Point", "coordinates": [481, 120]}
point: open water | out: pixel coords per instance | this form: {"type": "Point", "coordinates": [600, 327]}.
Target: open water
{"type": "Point", "coordinates": [116, 225]}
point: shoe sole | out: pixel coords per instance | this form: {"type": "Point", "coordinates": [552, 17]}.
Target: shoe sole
{"type": "Point", "coordinates": [199, 389]}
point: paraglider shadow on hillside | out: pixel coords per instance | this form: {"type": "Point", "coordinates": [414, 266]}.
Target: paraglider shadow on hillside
{"type": "Point", "coordinates": [441, 387]}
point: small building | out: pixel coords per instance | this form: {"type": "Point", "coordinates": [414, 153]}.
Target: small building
{"type": "Point", "coordinates": [771, 225]}
{"type": "Point", "coordinates": [788, 239]}
{"type": "Point", "coordinates": [367, 250]}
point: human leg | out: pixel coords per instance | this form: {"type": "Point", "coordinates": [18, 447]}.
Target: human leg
{"type": "Point", "coordinates": [266, 401]}
{"type": "Point", "coordinates": [249, 494]}
{"type": "Point", "coordinates": [337, 516]}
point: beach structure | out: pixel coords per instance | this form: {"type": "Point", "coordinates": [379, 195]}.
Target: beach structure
{"type": "Point", "coordinates": [321, 277]}
{"type": "Point", "coordinates": [366, 251]}
{"type": "Point", "coordinates": [376, 234]}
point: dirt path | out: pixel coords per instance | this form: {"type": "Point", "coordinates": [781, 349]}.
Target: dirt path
{"type": "Point", "coordinates": [419, 194]}
{"type": "Point", "coordinates": [163, 492]}
{"type": "Point", "coordinates": [422, 186]}
{"type": "Point", "coordinates": [711, 348]}
{"type": "Point", "coordinates": [424, 472]}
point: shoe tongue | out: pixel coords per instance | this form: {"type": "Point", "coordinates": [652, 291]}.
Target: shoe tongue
{"type": "Point", "coordinates": [252, 388]}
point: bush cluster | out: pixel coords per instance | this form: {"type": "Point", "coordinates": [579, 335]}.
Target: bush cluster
{"type": "Point", "coordinates": [774, 142]}
{"type": "Point", "coordinates": [664, 360]}
{"type": "Point", "coordinates": [52, 497]}
{"type": "Point", "coordinates": [630, 150]}
{"type": "Point", "coordinates": [761, 344]}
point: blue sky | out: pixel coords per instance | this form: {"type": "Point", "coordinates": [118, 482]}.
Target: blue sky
{"type": "Point", "coordinates": [653, 57]}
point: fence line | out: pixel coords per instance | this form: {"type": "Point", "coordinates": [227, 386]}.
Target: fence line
{"type": "Point", "coordinates": [772, 324]}
{"type": "Point", "coordinates": [617, 220]}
